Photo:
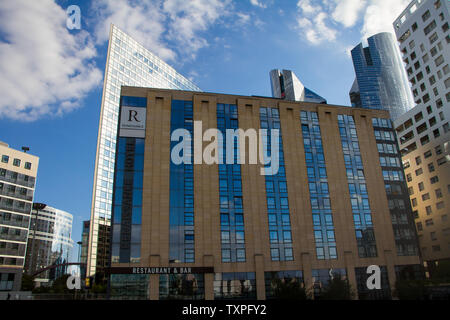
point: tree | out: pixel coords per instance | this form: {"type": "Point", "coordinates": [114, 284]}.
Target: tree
{"type": "Point", "coordinates": [337, 289]}
{"type": "Point", "coordinates": [441, 273]}
{"type": "Point", "coordinates": [410, 289]}
{"type": "Point", "coordinates": [290, 290]}
{"type": "Point", "coordinates": [27, 282]}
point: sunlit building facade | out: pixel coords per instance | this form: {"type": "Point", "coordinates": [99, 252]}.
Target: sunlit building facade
{"type": "Point", "coordinates": [336, 204]}
{"type": "Point", "coordinates": [423, 35]}
{"type": "Point", "coordinates": [18, 171]}
{"type": "Point", "coordinates": [128, 63]}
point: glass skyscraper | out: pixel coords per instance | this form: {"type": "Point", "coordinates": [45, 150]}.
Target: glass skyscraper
{"type": "Point", "coordinates": [381, 81]}
{"type": "Point", "coordinates": [286, 85]}
{"type": "Point", "coordinates": [128, 63]}
{"type": "Point", "coordinates": [49, 243]}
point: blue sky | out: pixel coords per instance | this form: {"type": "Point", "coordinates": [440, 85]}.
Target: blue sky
{"type": "Point", "coordinates": [52, 77]}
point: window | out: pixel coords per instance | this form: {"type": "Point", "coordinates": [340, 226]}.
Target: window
{"type": "Point", "coordinates": [426, 196]}
{"type": "Point", "coordinates": [226, 255]}
{"type": "Point", "coordinates": [5, 158]}
{"type": "Point", "coordinates": [430, 27]}
{"type": "Point", "coordinates": [438, 193]}
{"type": "Point", "coordinates": [275, 254]}
{"type": "Point", "coordinates": [433, 236]}
{"type": "Point", "coordinates": [440, 205]}
{"type": "Point", "coordinates": [431, 167]}
{"type": "Point", "coordinates": [426, 15]}
{"type": "Point", "coordinates": [433, 38]}
{"type": "Point", "coordinates": [16, 162]}
{"type": "Point", "coordinates": [418, 160]}
{"type": "Point", "coordinates": [434, 179]}
{"type": "Point", "coordinates": [419, 172]}
{"type": "Point", "coordinates": [419, 226]}
{"type": "Point", "coordinates": [421, 186]}
{"type": "Point", "coordinates": [439, 60]}
{"type": "Point", "coordinates": [428, 210]}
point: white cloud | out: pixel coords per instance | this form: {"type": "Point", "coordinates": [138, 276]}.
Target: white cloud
{"type": "Point", "coordinates": [143, 20]}
{"type": "Point", "coordinates": [258, 3]}
{"type": "Point", "coordinates": [347, 12]}
{"type": "Point", "coordinates": [320, 21]}
{"type": "Point", "coordinates": [189, 18]}
{"type": "Point", "coordinates": [380, 15]}
{"type": "Point", "coordinates": [307, 7]}
{"type": "Point", "coordinates": [243, 18]}
{"type": "Point", "coordinates": [153, 22]}
{"type": "Point", "coordinates": [312, 23]}
{"type": "Point", "coordinates": [45, 70]}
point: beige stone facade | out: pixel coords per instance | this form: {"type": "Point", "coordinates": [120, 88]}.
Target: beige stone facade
{"type": "Point", "coordinates": [155, 209]}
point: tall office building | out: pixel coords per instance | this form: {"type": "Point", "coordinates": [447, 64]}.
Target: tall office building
{"type": "Point", "coordinates": [128, 63]}
{"type": "Point", "coordinates": [18, 171]}
{"type": "Point", "coordinates": [286, 85]}
{"type": "Point", "coordinates": [49, 243]}
{"type": "Point", "coordinates": [424, 132]}
{"type": "Point", "coordinates": [381, 81]}
{"type": "Point", "coordinates": [187, 226]}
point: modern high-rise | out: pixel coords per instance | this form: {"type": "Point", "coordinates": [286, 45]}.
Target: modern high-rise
{"type": "Point", "coordinates": [191, 221]}
{"type": "Point", "coordinates": [286, 85]}
{"type": "Point", "coordinates": [18, 171]}
{"type": "Point", "coordinates": [128, 63]}
{"type": "Point", "coordinates": [423, 33]}
{"type": "Point", "coordinates": [381, 81]}
{"type": "Point", "coordinates": [49, 243]}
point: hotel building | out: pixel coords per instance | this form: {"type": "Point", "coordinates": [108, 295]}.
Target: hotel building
{"type": "Point", "coordinates": [337, 204]}
{"type": "Point", "coordinates": [128, 63]}
{"type": "Point", "coordinates": [424, 132]}
{"type": "Point", "coordinates": [18, 171]}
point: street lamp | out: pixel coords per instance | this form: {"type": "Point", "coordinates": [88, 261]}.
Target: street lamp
{"type": "Point", "coordinates": [37, 207]}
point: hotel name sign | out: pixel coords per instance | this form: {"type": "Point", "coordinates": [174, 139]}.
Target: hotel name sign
{"type": "Point", "coordinates": [160, 270]}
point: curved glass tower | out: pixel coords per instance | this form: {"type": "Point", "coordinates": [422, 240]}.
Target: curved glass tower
{"type": "Point", "coordinates": [380, 77]}
{"type": "Point", "coordinates": [49, 243]}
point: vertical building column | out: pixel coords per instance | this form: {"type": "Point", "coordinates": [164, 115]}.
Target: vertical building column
{"type": "Point", "coordinates": [154, 287]}
{"type": "Point", "coordinates": [306, 269]}
{"type": "Point", "coordinates": [260, 281]}
{"type": "Point", "coordinates": [209, 286]}
{"type": "Point", "coordinates": [389, 258]}
{"type": "Point", "coordinates": [351, 275]}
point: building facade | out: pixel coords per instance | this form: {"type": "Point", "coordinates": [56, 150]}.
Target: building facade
{"type": "Point", "coordinates": [286, 85]}
{"type": "Point", "coordinates": [381, 81]}
{"type": "Point", "coordinates": [424, 132]}
{"type": "Point", "coordinates": [49, 243]}
{"type": "Point", "coordinates": [329, 202]}
{"type": "Point", "coordinates": [18, 171]}
{"type": "Point", "coordinates": [128, 63]}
